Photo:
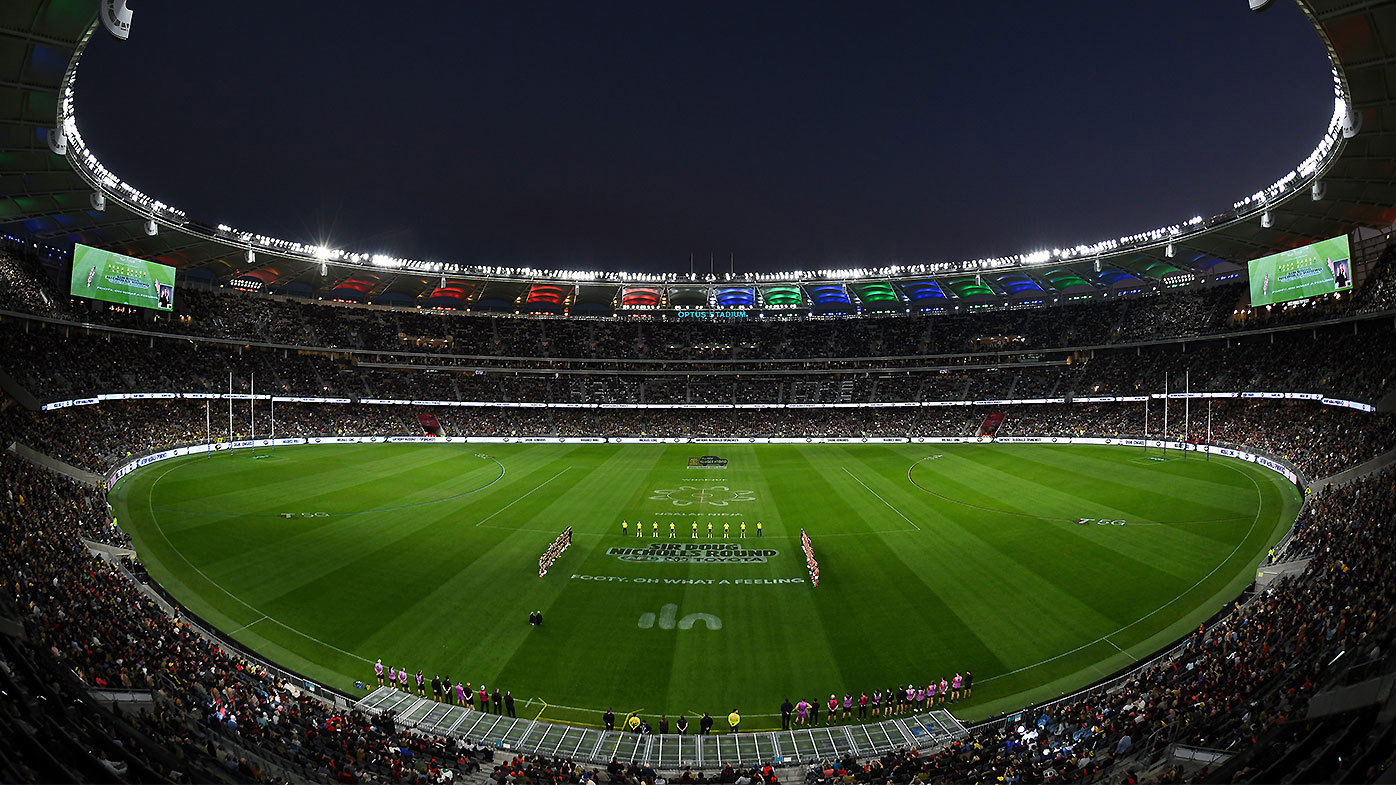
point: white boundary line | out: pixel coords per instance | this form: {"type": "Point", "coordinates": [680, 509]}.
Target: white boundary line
{"type": "Point", "coordinates": [265, 617]}
{"type": "Point", "coordinates": [1260, 495]}
{"type": "Point", "coordinates": [884, 501]}
{"type": "Point", "coordinates": [521, 498]}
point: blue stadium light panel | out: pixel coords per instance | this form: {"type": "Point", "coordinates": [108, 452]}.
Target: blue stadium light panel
{"type": "Point", "coordinates": [1018, 285]}
{"type": "Point", "coordinates": [828, 294]}
{"type": "Point", "coordinates": [734, 296]}
{"type": "Point", "coordinates": [924, 294]}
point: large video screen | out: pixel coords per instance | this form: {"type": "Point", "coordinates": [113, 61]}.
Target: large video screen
{"type": "Point", "coordinates": [103, 275]}
{"type": "Point", "coordinates": [1321, 268]}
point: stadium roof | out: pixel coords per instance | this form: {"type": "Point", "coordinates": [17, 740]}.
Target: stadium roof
{"type": "Point", "coordinates": [55, 191]}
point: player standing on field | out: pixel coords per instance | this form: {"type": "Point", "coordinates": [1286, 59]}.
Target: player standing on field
{"type": "Point", "coordinates": [378, 671]}
{"type": "Point", "coordinates": [726, 529]}
{"type": "Point", "coordinates": [673, 531]}
{"type": "Point", "coordinates": [624, 528]}
{"type": "Point", "coordinates": [655, 527]}
{"type": "Point", "coordinates": [695, 530]}
{"type": "Point", "coordinates": [710, 530]}
{"type": "Point", "coordinates": [402, 679]}
{"type": "Point", "coordinates": [863, 706]}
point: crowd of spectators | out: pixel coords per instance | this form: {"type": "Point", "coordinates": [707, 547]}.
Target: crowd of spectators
{"type": "Point", "coordinates": [89, 623]}
{"type": "Point", "coordinates": [1352, 361]}
{"type": "Point", "coordinates": [1228, 688]}
{"type": "Point", "coordinates": [243, 317]}
{"type": "Point", "coordinates": [1320, 440]}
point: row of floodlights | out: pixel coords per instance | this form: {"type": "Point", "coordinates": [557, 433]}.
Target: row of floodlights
{"type": "Point", "coordinates": [1339, 125]}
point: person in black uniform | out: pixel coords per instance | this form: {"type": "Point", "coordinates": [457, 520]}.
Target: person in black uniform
{"type": "Point", "coordinates": [610, 719]}
{"type": "Point", "coordinates": [498, 700]}
{"type": "Point", "coordinates": [705, 725]}
{"type": "Point", "coordinates": [436, 688]}
{"type": "Point", "coordinates": [785, 711]}
{"type": "Point", "coordinates": [682, 725]}
{"type": "Point", "coordinates": [663, 723]}
{"type": "Point", "coordinates": [508, 703]}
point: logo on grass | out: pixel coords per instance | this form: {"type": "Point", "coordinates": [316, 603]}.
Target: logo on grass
{"type": "Point", "coordinates": [668, 614]}
{"type": "Point", "coordinates": [714, 495]}
{"type": "Point", "coordinates": [694, 553]}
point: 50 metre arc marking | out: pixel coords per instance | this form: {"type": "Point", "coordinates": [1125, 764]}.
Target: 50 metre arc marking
{"type": "Point", "coordinates": [912, 479]}
{"type": "Point", "coordinates": [452, 497]}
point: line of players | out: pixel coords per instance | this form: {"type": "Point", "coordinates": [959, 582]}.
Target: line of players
{"type": "Point", "coordinates": [881, 703]}
{"type": "Point", "coordinates": [555, 550]}
{"type": "Point", "coordinates": [443, 691]}
{"type": "Point", "coordinates": [674, 530]}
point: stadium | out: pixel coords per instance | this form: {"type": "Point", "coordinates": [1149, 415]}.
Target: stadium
{"type": "Point", "coordinates": [277, 511]}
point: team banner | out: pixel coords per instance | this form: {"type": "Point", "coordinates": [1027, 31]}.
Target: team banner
{"type": "Point", "coordinates": [1323, 267]}
{"type": "Point", "coordinates": [103, 275]}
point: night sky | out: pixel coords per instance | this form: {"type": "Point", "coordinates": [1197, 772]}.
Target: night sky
{"type": "Point", "coordinates": [620, 135]}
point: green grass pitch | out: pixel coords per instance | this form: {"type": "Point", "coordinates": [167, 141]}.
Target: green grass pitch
{"type": "Point", "coordinates": [934, 559]}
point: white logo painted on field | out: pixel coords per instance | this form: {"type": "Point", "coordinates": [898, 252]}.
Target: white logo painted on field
{"type": "Point", "coordinates": [715, 495]}
{"type": "Point", "coordinates": [669, 611]}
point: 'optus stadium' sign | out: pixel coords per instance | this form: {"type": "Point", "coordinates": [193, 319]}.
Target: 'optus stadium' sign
{"type": "Point", "coordinates": [694, 553]}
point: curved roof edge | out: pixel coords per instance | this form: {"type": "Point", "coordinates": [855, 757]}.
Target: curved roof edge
{"type": "Point", "coordinates": [1329, 148]}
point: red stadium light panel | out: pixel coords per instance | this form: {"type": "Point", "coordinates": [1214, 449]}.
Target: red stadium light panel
{"type": "Point", "coordinates": [641, 297]}
{"type": "Point", "coordinates": [551, 294]}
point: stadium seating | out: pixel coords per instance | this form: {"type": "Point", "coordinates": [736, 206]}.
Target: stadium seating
{"type": "Point", "coordinates": [82, 626]}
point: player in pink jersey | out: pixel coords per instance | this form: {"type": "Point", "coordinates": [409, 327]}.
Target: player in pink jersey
{"type": "Point", "coordinates": [378, 671]}
{"type": "Point", "coordinates": [484, 699]}
{"type": "Point", "coordinates": [847, 705]}
{"type": "Point", "coordinates": [833, 708]}
{"type": "Point", "coordinates": [402, 679]}
{"type": "Point", "coordinates": [460, 694]}
{"type": "Point", "coordinates": [921, 698]}
{"type": "Point", "coordinates": [944, 689]}
{"type": "Point", "coordinates": [955, 685]}
{"type": "Point", "coordinates": [392, 677]}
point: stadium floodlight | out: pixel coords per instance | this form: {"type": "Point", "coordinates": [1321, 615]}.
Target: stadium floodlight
{"type": "Point", "coordinates": [1266, 220]}
{"type": "Point", "coordinates": [116, 18]}
{"type": "Point", "coordinates": [1261, 5]}
{"type": "Point", "coordinates": [1169, 251]}
{"type": "Point", "coordinates": [1352, 123]}
{"type": "Point", "coordinates": [1319, 191]}
{"type": "Point", "coordinates": [57, 141]}
{"type": "Point", "coordinates": [251, 256]}
{"type": "Point", "coordinates": [151, 228]}
{"type": "Point", "coordinates": [98, 201]}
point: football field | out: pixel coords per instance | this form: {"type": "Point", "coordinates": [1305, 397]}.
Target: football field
{"type": "Point", "coordinates": [1040, 568]}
